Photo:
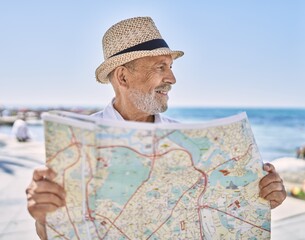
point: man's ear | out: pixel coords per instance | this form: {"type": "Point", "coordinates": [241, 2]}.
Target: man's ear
{"type": "Point", "coordinates": [120, 76]}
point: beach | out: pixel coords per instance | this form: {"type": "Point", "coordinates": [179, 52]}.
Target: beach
{"type": "Point", "coordinates": [17, 161]}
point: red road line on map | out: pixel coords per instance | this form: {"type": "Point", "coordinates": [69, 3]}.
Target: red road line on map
{"type": "Point", "coordinates": [171, 213]}
{"type": "Point", "coordinates": [153, 156]}
{"type": "Point", "coordinates": [200, 196]}
{"type": "Point", "coordinates": [77, 144]}
{"type": "Point", "coordinates": [70, 166]}
{"type": "Point", "coordinates": [206, 206]}
{"type": "Point", "coordinates": [206, 180]}
{"type": "Point", "coordinates": [232, 159]}
{"type": "Point", "coordinates": [112, 224]}
{"type": "Point", "coordinates": [200, 223]}
{"type": "Point", "coordinates": [73, 143]}
{"type": "Point", "coordinates": [235, 159]}
{"type": "Point", "coordinates": [87, 197]}
{"type": "Point", "coordinates": [66, 204]}
{"type": "Point", "coordinates": [198, 209]}
{"type": "Point", "coordinates": [164, 136]}
{"type": "Point", "coordinates": [150, 156]}
{"type": "Point", "coordinates": [124, 146]}
{"type": "Point", "coordinates": [60, 151]}
{"type": "Point", "coordinates": [60, 234]}
{"type": "Point", "coordinates": [64, 174]}
{"type": "Point", "coordinates": [205, 184]}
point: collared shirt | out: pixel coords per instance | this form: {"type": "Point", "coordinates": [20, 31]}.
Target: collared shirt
{"type": "Point", "coordinates": [110, 113]}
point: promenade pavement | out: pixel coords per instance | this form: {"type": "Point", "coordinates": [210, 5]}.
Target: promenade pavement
{"type": "Point", "coordinates": [17, 161]}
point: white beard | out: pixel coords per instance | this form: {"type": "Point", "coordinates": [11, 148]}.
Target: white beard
{"type": "Point", "coordinates": [147, 102]}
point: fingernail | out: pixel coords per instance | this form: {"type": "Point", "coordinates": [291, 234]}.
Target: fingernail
{"type": "Point", "coordinates": [266, 167]}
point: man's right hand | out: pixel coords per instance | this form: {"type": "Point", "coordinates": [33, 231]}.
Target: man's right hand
{"type": "Point", "coordinates": [44, 195]}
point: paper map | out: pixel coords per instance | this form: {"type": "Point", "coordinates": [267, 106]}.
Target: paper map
{"type": "Point", "coordinates": [128, 180]}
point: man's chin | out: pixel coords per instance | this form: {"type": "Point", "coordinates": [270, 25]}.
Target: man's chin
{"type": "Point", "coordinates": [157, 111]}
{"type": "Point", "coordinates": [162, 109]}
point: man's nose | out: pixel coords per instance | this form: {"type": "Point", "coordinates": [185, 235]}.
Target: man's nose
{"type": "Point", "coordinates": [170, 77]}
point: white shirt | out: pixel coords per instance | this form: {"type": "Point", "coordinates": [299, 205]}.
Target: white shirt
{"type": "Point", "coordinates": [110, 113]}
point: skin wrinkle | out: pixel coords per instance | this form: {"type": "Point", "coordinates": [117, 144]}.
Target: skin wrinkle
{"type": "Point", "coordinates": [266, 187]}
{"type": "Point", "coordinates": [141, 86]}
{"type": "Point", "coordinates": [149, 102]}
{"type": "Point", "coordinates": [146, 102]}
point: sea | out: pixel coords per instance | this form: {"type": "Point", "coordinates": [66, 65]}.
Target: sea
{"type": "Point", "coordinates": [278, 132]}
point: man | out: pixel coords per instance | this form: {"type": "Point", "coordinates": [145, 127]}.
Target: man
{"type": "Point", "coordinates": [21, 131]}
{"type": "Point", "coordinates": [138, 65]}
{"type": "Point", "coordinates": [301, 152]}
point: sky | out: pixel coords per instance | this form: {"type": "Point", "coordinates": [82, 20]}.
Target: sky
{"type": "Point", "coordinates": [237, 53]}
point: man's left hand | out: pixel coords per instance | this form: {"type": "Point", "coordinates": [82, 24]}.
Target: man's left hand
{"type": "Point", "coordinates": [272, 187]}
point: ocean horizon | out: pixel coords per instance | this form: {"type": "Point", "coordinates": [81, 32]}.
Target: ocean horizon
{"type": "Point", "coordinates": [278, 131]}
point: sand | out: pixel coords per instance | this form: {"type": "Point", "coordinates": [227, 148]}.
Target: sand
{"type": "Point", "coordinates": [17, 161]}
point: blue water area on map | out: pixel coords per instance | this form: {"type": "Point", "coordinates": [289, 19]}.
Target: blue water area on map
{"type": "Point", "coordinates": [176, 191]}
{"type": "Point", "coordinates": [196, 146]}
{"type": "Point", "coordinates": [153, 194]}
{"type": "Point", "coordinates": [225, 221]}
{"type": "Point", "coordinates": [262, 216]}
{"type": "Point", "coordinates": [266, 225]}
{"type": "Point", "coordinates": [261, 213]}
{"type": "Point", "coordinates": [209, 162]}
{"type": "Point", "coordinates": [231, 181]}
{"type": "Point", "coordinates": [122, 238]}
{"type": "Point", "coordinates": [109, 135]}
{"type": "Point", "coordinates": [126, 172]}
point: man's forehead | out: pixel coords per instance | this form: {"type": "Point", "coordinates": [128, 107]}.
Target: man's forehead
{"type": "Point", "coordinates": [167, 59]}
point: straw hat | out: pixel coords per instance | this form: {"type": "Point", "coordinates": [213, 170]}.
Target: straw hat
{"type": "Point", "coordinates": [128, 40]}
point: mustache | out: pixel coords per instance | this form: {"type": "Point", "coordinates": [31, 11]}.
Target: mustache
{"type": "Point", "coordinates": [164, 87]}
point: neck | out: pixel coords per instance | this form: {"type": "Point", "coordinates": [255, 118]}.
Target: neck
{"type": "Point", "coordinates": [130, 113]}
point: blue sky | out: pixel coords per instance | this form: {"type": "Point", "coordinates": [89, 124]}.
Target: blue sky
{"type": "Point", "coordinates": [237, 52]}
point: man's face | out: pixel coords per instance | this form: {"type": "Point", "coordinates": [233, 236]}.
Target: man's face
{"type": "Point", "coordinates": [150, 81]}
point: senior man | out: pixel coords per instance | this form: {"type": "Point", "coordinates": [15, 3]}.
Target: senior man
{"type": "Point", "coordinates": [138, 65]}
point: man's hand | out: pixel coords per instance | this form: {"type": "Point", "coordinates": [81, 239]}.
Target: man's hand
{"type": "Point", "coordinates": [272, 187]}
{"type": "Point", "coordinates": [43, 194]}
